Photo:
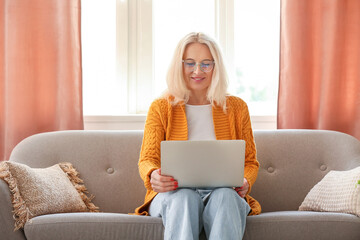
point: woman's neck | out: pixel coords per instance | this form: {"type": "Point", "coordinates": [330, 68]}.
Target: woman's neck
{"type": "Point", "coordinates": [198, 100]}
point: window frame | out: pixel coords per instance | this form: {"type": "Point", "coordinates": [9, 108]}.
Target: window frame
{"type": "Point", "coordinates": [134, 48]}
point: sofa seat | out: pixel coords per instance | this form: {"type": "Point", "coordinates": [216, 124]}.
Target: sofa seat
{"type": "Point", "coordinates": [272, 225]}
{"type": "Point", "coordinates": [71, 226]}
{"type": "Point", "coordinates": [302, 225]}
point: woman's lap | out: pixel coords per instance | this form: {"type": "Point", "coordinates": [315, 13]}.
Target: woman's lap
{"type": "Point", "coordinates": [202, 194]}
{"type": "Point", "coordinates": [221, 211]}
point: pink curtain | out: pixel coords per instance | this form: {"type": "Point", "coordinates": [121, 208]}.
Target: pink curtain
{"type": "Point", "coordinates": [320, 65]}
{"type": "Point", "coordinates": [40, 69]}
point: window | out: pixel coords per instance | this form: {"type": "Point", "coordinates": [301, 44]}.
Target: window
{"type": "Point", "coordinates": [127, 46]}
{"type": "Point", "coordinates": [101, 88]}
{"type": "Point", "coordinates": [256, 60]}
{"type": "Point", "coordinates": [172, 20]}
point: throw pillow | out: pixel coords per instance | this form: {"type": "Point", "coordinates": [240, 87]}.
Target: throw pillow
{"type": "Point", "coordinates": [338, 191]}
{"type": "Point", "coordinates": [39, 191]}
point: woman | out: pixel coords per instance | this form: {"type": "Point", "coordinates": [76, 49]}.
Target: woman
{"type": "Point", "coordinates": [196, 107]}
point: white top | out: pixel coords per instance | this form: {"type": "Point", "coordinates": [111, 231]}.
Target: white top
{"type": "Point", "coordinates": [200, 122]}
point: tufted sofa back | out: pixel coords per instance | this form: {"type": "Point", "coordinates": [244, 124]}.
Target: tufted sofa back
{"type": "Point", "coordinates": [106, 161]}
{"type": "Point", "coordinates": [292, 161]}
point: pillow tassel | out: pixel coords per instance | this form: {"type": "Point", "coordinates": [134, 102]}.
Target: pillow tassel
{"type": "Point", "coordinates": [73, 175]}
{"type": "Point", "coordinates": [21, 212]}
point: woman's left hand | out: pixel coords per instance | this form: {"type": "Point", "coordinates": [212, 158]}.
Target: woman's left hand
{"type": "Point", "coordinates": [243, 189]}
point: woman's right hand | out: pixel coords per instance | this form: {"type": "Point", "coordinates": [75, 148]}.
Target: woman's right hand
{"type": "Point", "coordinates": [161, 183]}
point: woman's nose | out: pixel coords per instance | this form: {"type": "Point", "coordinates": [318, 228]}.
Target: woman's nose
{"type": "Point", "coordinates": [197, 68]}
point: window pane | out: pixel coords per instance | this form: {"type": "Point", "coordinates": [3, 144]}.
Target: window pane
{"type": "Point", "coordinates": [257, 33]}
{"type": "Point", "coordinates": [98, 29]}
{"type": "Point", "coordinates": [172, 20]}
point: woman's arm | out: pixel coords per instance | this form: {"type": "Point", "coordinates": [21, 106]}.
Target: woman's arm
{"type": "Point", "coordinates": [149, 162]}
{"type": "Point", "coordinates": [251, 163]}
{"type": "Point", "coordinates": [154, 133]}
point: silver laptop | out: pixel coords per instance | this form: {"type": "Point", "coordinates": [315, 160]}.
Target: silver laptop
{"type": "Point", "coordinates": [213, 163]}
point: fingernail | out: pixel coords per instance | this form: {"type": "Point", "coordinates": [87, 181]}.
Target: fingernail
{"type": "Point", "coordinates": [172, 179]}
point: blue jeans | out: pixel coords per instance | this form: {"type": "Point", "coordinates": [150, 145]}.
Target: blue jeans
{"type": "Point", "coordinates": [185, 211]}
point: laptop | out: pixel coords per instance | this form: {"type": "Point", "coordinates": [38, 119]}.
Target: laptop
{"type": "Point", "coordinates": [205, 163]}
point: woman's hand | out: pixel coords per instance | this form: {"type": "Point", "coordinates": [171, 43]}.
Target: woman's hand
{"type": "Point", "coordinates": [244, 189]}
{"type": "Point", "coordinates": [161, 183]}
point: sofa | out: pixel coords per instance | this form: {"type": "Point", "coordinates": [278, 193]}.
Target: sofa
{"type": "Point", "coordinates": [291, 163]}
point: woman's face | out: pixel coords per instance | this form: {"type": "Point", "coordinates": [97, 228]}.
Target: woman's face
{"type": "Point", "coordinates": [198, 68]}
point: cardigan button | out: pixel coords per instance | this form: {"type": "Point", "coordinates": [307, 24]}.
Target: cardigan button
{"type": "Point", "coordinates": [270, 169]}
{"type": "Point", "coordinates": [110, 170]}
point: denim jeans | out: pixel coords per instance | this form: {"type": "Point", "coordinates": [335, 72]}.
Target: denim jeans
{"type": "Point", "coordinates": [185, 211]}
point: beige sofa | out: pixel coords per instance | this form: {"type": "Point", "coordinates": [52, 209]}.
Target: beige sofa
{"type": "Point", "coordinates": [292, 162]}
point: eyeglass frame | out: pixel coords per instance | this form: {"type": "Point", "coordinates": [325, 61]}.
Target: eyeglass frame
{"type": "Point", "coordinates": [199, 64]}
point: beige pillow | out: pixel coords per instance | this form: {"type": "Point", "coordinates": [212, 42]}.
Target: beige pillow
{"type": "Point", "coordinates": [338, 191]}
{"type": "Point", "coordinates": [39, 191]}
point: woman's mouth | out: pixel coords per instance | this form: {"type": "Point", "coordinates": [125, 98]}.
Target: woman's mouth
{"type": "Point", "coordinates": [197, 79]}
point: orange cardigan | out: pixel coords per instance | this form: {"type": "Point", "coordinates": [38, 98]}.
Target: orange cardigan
{"type": "Point", "coordinates": [167, 122]}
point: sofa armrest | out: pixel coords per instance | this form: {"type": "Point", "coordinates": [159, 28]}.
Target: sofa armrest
{"type": "Point", "coordinates": [6, 215]}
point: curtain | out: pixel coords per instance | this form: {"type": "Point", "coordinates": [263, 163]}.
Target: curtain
{"type": "Point", "coordinates": [320, 65]}
{"type": "Point", "coordinates": [40, 69]}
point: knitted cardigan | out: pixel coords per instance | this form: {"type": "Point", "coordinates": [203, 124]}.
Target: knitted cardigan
{"type": "Point", "coordinates": [167, 122]}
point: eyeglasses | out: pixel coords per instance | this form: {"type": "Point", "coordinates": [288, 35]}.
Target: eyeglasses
{"type": "Point", "coordinates": [205, 66]}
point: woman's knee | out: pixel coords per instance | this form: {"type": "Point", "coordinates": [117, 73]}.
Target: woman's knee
{"type": "Point", "coordinates": [225, 193]}
{"type": "Point", "coordinates": [185, 196]}
{"type": "Point", "coordinates": [228, 197]}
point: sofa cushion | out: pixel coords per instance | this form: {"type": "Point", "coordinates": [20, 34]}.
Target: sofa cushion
{"type": "Point", "coordinates": [338, 191]}
{"type": "Point", "coordinates": [104, 226]}
{"type": "Point", "coordinates": [38, 191]}
{"type": "Point", "coordinates": [111, 226]}
{"type": "Point", "coordinates": [302, 225]}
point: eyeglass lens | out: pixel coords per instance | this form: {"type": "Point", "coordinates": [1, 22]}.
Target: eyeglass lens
{"type": "Point", "coordinates": [205, 66]}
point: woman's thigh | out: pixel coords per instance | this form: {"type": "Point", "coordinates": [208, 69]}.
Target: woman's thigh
{"type": "Point", "coordinates": [177, 199]}
{"type": "Point", "coordinates": [226, 198]}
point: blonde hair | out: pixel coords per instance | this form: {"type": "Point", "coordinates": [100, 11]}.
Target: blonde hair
{"type": "Point", "coordinates": [217, 90]}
